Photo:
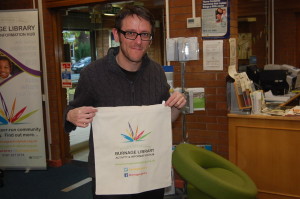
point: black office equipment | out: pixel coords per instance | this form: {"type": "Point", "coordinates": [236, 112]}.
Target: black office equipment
{"type": "Point", "coordinates": [1, 178]}
{"type": "Point", "coordinates": [274, 80]}
{"type": "Point", "coordinates": [253, 73]}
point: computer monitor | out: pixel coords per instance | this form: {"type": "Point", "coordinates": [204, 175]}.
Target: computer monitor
{"type": "Point", "coordinates": [274, 80]}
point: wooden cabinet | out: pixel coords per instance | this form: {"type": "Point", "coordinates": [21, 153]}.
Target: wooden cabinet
{"type": "Point", "coordinates": [267, 148]}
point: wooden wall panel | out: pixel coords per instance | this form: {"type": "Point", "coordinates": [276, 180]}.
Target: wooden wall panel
{"type": "Point", "coordinates": [251, 7]}
{"type": "Point", "coordinates": [265, 148]}
{"type": "Point", "coordinates": [63, 3]}
{"type": "Point", "coordinates": [12, 5]}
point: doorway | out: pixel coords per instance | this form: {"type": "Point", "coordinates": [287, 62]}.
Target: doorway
{"type": "Point", "coordinates": [78, 49]}
{"type": "Point", "coordinates": [87, 36]}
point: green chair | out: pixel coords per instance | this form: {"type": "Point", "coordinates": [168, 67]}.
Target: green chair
{"type": "Point", "coordinates": [210, 176]}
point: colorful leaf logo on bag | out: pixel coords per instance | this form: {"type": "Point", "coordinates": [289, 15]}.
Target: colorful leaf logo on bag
{"type": "Point", "coordinates": [7, 117]}
{"type": "Point", "coordinates": [134, 136]}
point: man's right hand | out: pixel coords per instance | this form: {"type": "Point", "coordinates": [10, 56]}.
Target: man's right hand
{"type": "Point", "coordinates": [82, 116]}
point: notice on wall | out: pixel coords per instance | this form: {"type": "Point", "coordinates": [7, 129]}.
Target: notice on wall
{"type": "Point", "coordinates": [22, 144]}
{"type": "Point", "coordinates": [233, 53]}
{"type": "Point", "coordinates": [66, 80]}
{"type": "Point", "coordinates": [215, 19]}
{"type": "Point", "coordinates": [213, 55]}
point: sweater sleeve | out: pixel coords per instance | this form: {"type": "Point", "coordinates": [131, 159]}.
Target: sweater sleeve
{"type": "Point", "coordinates": [83, 97]}
{"type": "Point", "coordinates": [165, 85]}
{"type": "Point", "coordinates": [68, 126]}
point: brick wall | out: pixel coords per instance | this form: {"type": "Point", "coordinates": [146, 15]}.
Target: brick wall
{"type": "Point", "coordinates": [209, 126]}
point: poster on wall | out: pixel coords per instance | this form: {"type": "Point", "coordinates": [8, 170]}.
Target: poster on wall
{"type": "Point", "coordinates": [215, 19]}
{"type": "Point", "coordinates": [66, 79]}
{"type": "Point", "coordinates": [22, 144]}
{"type": "Point", "coordinates": [244, 45]}
{"type": "Point", "coordinates": [213, 55]}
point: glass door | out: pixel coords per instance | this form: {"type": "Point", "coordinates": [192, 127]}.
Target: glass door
{"type": "Point", "coordinates": [79, 27]}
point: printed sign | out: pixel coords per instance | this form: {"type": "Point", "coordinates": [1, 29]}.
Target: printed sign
{"type": "Point", "coordinates": [215, 18]}
{"type": "Point", "coordinates": [66, 74]}
{"type": "Point", "coordinates": [21, 113]}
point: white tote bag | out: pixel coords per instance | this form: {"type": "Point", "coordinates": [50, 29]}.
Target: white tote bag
{"type": "Point", "coordinates": [133, 149]}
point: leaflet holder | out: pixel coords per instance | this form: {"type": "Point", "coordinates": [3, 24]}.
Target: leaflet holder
{"type": "Point", "coordinates": [183, 49]}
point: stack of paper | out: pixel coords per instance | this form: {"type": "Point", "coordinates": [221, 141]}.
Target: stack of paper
{"type": "Point", "coordinates": [269, 97]}
{"type": "Point", "coordinates": [294, 111]}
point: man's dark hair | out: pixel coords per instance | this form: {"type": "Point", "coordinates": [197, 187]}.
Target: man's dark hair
{"type": "Point", "coordinates": [130, 10]}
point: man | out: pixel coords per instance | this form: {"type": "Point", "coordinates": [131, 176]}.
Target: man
{"type": "Point", "coordinates": [125, 77]}
{"type": "Point", "coordinates": [5, 68]}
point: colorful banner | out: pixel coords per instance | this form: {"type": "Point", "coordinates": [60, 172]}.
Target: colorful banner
{"type": "Point", "coordinates": [22, 144]}
{"type": "Point", "coordinates": [215, 19]}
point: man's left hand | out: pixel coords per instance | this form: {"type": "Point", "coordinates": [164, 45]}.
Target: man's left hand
{"type": "Point", "coordinates": [176, 100]}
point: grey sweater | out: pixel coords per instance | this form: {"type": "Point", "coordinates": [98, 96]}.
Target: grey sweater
{"type": "Point", "coordinates": [104, 84]}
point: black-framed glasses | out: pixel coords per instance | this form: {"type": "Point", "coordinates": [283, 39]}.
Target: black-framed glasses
{"type": "Point", "coordinates": [133, 35]}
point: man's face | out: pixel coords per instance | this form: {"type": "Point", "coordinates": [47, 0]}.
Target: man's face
{"type": "Point", "coordinates": [4, 69]}
{"type": "Point", "coordinates": [133, 50]}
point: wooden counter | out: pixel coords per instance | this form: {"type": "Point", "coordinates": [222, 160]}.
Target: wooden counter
{"type": "Point", "coordinates": [267, 148]}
